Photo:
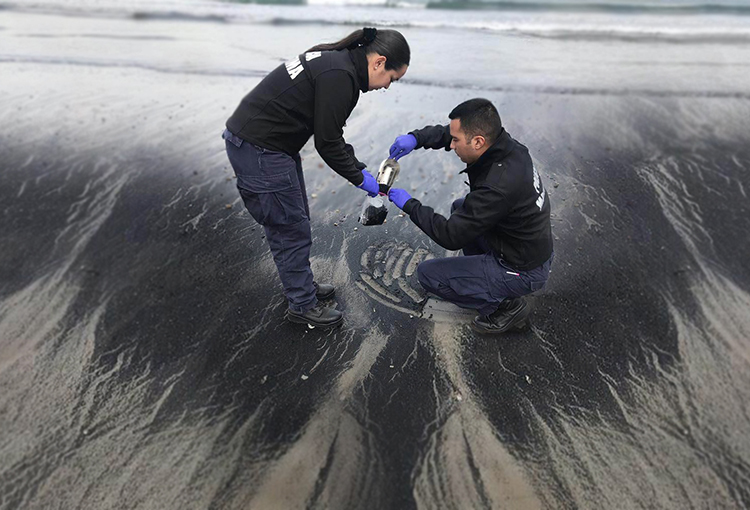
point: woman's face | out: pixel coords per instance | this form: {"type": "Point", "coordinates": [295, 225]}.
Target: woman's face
{"type": "Point", "coordinates": [379, 77]}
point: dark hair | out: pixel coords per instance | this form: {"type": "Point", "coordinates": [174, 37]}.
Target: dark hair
{"type": "Point", "coordinates": [478, 117]}
{"type": "Point", "coordinates": [389, 43]}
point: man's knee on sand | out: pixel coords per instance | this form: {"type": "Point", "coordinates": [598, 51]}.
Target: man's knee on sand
{"type": "Point", "coordinates": [432, 276]}
{"type": "Point", "coordinates": [428, 275]}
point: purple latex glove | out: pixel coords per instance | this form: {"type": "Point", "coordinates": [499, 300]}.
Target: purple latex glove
{"type": "Point", "coordinates": [370, 185]}
{"type": "Point", "coordinates": [403, 145]}
{"type": "Point", "coordinates": [398, 196]}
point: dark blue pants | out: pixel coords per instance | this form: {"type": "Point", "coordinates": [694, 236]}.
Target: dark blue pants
{"type": "Point", "coordinates": [479, 280]}
{"type": "Point", "coordinates": [273, 188]}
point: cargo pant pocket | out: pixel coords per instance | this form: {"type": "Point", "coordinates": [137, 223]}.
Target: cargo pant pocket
{"type": "Point", "coordinates": [537, 277]}
{"type": "Point", "coordinates": [273, 199]}
{"type": "Point", "coordinates": [537, 285]}
{"type": "Point", "coordinates": [506, 282]}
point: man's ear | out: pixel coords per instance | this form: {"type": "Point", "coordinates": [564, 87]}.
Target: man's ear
{"type": "Point", "coordinates": [478, 142]}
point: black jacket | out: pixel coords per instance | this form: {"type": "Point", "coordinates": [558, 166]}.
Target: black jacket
{"type": "Point", "coordinates": [507, 204]}
{"type": "Point", "coordinates": [313, 94]}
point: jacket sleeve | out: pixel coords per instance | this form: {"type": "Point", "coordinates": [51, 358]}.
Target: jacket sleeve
{"type": "Point", "coordinates": [433, 137]}
{"type": "Point", "coordinates": [350, 150]}
{"type": "Point", "coordinates": [334, 93]}
{"type": "Point", "coordinates": [481, 210]}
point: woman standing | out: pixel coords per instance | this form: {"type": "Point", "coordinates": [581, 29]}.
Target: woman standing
{"type": "Point", "coordinates": [312, 95]}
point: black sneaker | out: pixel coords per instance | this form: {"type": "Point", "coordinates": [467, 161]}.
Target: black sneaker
{"type": "Point", "coordinates": [318, 316]}
{"type": "Point", "coordinates": [324, 290]}
{"type": "Point", "coordinates": [511, 314]}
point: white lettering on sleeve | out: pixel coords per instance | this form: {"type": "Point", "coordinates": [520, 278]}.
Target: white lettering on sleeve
{"type": "Point", "coordinates": [540, 200]}
{"type": "Point", "coordinates": [293, 67]}
{"type": "Point", "coordinates": [539, 189]}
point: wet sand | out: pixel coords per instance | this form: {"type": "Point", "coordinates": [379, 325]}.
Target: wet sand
{"type": "Point", "coordinates": [145, 362]}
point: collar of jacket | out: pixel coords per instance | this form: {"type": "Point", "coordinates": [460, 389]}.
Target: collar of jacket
{"type": "Point", "coordinates": [497, 151]}
{"type": "Point", "coordinates": [359, 58]}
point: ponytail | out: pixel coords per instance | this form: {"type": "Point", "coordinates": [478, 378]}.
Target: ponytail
{"type": "Point", "coordinates": [388, 43]}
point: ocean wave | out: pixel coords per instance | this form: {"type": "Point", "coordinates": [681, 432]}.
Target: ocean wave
{"type": "Point", "coordinates": [610, 7]}
{"type": "Point", "coordinates": [561, 26]}
{"type": "Point", "coordinates": [630, 33]}
{"type": "Point", "coordinates": [99, 36]}
{"type": "Point", "coordinates": [125, 64]}
{"type": "Point", "coordinates": [642, 34]}
{"type": "Point", "coordinates": [178, 16]}
{"type": "Point", "coordinates": [577, 6]}
{"type": "Point", "coordinates": [584, 91]}
{"type": "Point", "coordinates": [516, 89]}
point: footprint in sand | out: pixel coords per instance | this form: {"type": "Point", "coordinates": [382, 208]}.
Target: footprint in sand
{"type": "Point", "coordinates": [388, 275]}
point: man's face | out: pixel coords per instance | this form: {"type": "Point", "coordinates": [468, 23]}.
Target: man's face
{"type": "Point", "coordinates": [466, 148]}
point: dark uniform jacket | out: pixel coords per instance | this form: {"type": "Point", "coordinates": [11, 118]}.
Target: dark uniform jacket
{"type": "Point", "coordinates": [507, 203]}
{"type": "Point", "coordinates": [313, 94]}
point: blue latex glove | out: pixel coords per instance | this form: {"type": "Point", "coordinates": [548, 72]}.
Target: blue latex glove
{"type": "Point", "coordinates": [370, 185]}
{"type": "Point", "coordinates": [403, 145]}
{"type": "Point", "coordinates": [398, 196]}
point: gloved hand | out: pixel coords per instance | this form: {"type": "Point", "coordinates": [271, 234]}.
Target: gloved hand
{"type": "Point", "coordinates": [370, 185]}
{"type": "Point", "coordinates": [398, 196]}
{"type": "Point", "coordinates": [403, 145]}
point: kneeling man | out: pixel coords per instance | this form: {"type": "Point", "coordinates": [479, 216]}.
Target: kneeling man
{"type": "Point", "coordinates": [502, 225]}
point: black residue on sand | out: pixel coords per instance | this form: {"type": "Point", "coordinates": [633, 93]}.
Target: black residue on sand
{"type": "Point", "coordinates": [143, 348]}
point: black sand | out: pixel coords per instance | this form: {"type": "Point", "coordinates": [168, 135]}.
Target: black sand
{"type": "Point", "coordinates": [144, 362]}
